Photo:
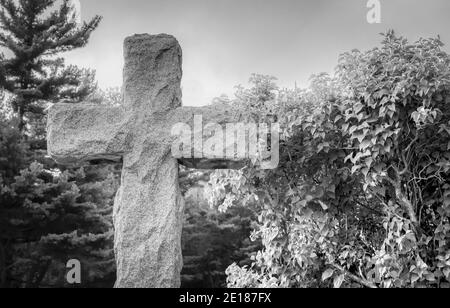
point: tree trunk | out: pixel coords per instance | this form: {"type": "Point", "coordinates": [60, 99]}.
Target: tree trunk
{"type": "Point", "coordinates": [21, 120]}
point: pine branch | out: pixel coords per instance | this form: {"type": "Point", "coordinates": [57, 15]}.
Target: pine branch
{"type": "Point", "coordinates": [33, 38]}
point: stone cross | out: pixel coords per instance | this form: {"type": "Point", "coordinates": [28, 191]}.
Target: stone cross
{"type": "Point", "coordinates": [148, 208]}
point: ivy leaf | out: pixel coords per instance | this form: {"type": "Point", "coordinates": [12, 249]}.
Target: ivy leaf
{"type": "Point", "coordinates": [358, 108]}
{"type": "Point", "coordinates": [369, 162]}
{"type": "Point", "coordinates": [338, 280]}
{"type": "Point", "coordinates": [414, 278]}
{"type": "Point", "coordinates": [327, 274]}
{"type": "Point", "coordinates": [345, 127]}
{"type": "Point", "coordinates": [357, 157]}
{"type": "Point", "coordinates": [323, 205]}
{"type": "Point", "coordinates": [446, 273]}
{"type": "Point", "coordinates": [349, 157]}
{"type": "Point", "coordinates": [353, 129]}
{"type": "Point", "coordinates": [365, 144]}
{"type": "Point", "coordinates": [384, 101]}
{"type": "Point", "coordinates": [365, 171]}
{"type": "Point", "coordinates": [355, 168]}
{"type": "Point", "coordinates": [303, 203]}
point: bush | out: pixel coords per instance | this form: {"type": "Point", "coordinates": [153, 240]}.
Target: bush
{"type": "Point", "coordinates": [361, 197]}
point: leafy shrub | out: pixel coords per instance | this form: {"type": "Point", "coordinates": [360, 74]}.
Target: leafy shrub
{"type": "Point", "coordinates": [361, 197]}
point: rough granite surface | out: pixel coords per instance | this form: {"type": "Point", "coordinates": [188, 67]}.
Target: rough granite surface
{"type": "Point", "coordinates": [148, 209]}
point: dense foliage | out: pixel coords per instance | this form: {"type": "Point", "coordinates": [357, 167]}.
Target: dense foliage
{"type": "Point", "coordinates": [362, 193]}
{"type": "Point", "coordinates": [48, 217]}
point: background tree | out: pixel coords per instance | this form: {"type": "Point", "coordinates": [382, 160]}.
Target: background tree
{"type": "Point", "coordinates": [211, 239]}
{"type": "Point", "coordinates": [49, 214]}
{"type": "Point", "coordinates": [111, 96]}
{"type": "Point", "coordinates": [34, 37]}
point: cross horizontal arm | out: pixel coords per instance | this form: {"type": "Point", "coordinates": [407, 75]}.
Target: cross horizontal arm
{"type": "Point", "coordinates": [218, 113]}
{"type": "Point", "coordinates": [83, 132]}
{"type": "Point", "coordinates": [200, 120]}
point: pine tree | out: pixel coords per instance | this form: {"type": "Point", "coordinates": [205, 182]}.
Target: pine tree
{"type": "Point", "coordinates": [53, 218]}
{"type": "Point", "coordinates": [48, 217]}
{"type": "Point", "coordinates": [48, 214]}
{"type": "Point", "coordinates": [33, 74]}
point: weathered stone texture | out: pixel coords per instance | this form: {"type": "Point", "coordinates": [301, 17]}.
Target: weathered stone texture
{"type": "Point", "coordinates": [148, 209]}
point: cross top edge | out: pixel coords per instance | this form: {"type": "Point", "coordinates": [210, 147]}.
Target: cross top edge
{"type": "Point", "coordinates": [152, 72]}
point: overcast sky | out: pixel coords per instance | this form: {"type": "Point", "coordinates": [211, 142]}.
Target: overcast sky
{"type": "Point", "coordinates": [225, 41]}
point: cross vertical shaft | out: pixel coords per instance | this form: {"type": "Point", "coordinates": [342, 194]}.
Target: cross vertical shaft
{"type": "Point", "coordinates": [148, 209]}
